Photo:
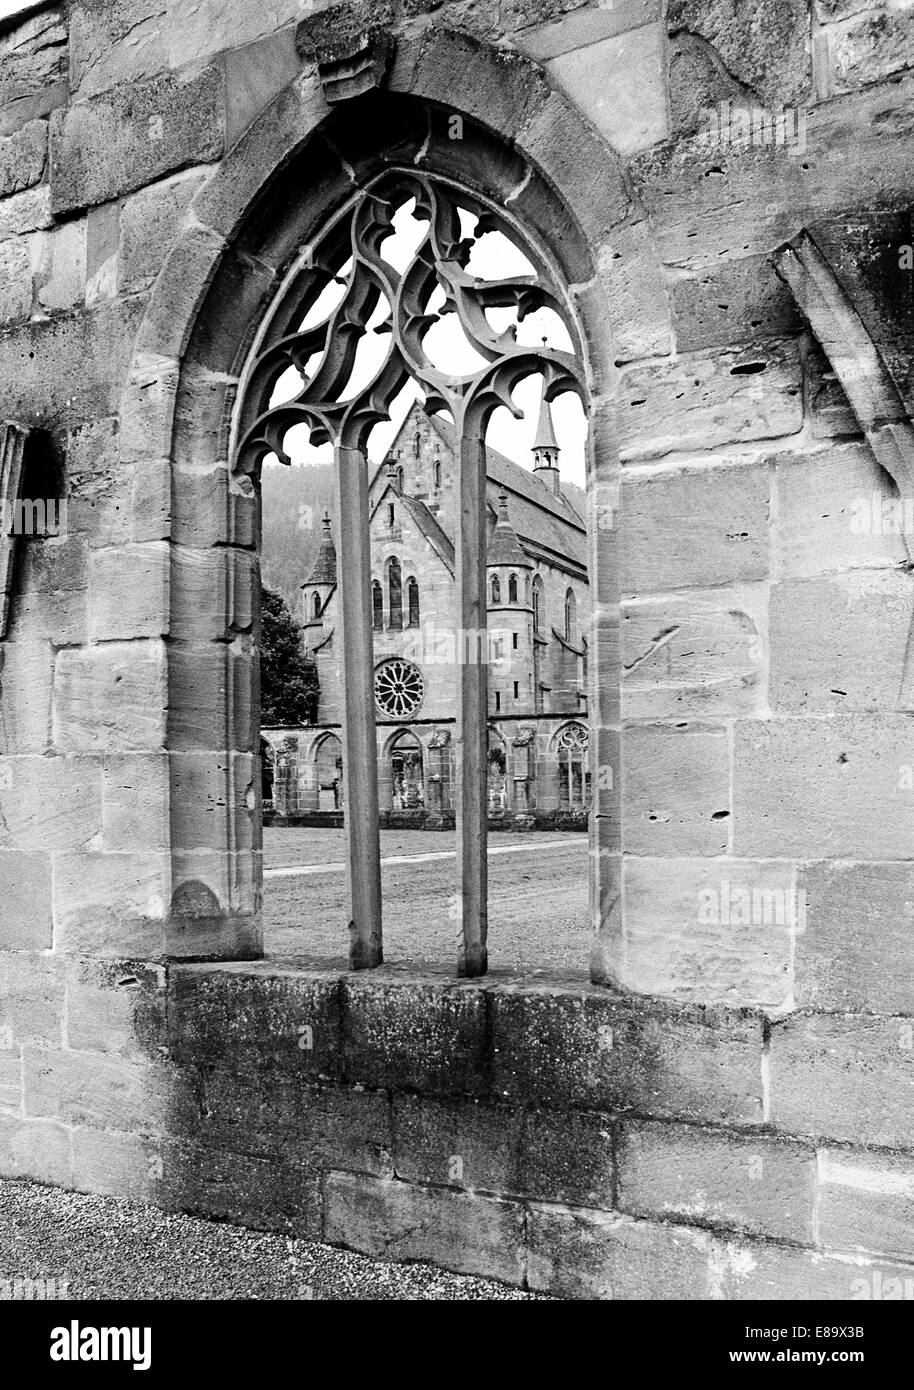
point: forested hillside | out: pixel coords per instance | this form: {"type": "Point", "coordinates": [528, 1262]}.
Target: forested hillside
{"type": "Point", "coordinates": [293, 503]}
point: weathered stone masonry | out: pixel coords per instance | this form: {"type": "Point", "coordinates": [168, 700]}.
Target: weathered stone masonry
{"type": "Point", "coordinates": [728, 1109]}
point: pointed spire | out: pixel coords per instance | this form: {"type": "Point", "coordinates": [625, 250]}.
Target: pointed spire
{"type": "Point", "coordinates": [323, 571]}
{"type": "Point", "coordinates": [545, 430]}
{"type": "Point", "coordinates": [546, 448]}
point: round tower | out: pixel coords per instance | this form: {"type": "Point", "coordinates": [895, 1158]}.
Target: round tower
{"type": "Point", "coordinates": [508, 601]}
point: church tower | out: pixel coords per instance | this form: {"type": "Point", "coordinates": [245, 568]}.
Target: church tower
{"type": "Point", "coordinates": [546, 450]}
{"type": "Point", "coordinates": [320, 583]}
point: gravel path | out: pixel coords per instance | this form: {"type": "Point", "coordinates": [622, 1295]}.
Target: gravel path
{"type": "Point", "coordinates": [107, 1249]}
{"type": "Point", "coordinates": [538, 901]}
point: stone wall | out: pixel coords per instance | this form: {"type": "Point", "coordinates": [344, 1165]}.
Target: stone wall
{"type": "Point", "coordinates": [744, 1106]}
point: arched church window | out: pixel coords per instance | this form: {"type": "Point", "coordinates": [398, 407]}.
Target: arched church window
{"type": "Point", "coordinates": [512, 588]}
{"type": "Point", "coordinates": [394, 594]}
{"type": "Point", "coordinates": [537, 603]}
{"type": "Point", "coordinates": [412, 597]}
{"type": "Point", "coordinates": [377, 605]}
{"type": "Point", "coordinates": [417, 444]}
{"type": "Point", "coordinates": [496, 589]}
{"type": "Point", "coordinates": [437, 472]}
{"type": "Point", "coordinates": [574, 777]}
{"type": "Point", "coordinates": [412, 298]}
{"type": "Point", "coordinates": [571, 617]}
{"type": "Point", "coordinates": [316, 606]}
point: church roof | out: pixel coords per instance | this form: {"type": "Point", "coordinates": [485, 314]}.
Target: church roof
{"type": "Point", "coordinates": [547, 524]}
{"type": "Point", "coordinates": [542, 520]}
{"type": "Point", "coordinates": [504, 547]}
{"type": "Point", "coordinates": [323, 571]}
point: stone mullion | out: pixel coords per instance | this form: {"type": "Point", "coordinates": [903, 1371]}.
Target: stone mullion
{"type": "Point", "coordinates": [472, 705]}
{"type": "Point", "coordinates": [360, 757]}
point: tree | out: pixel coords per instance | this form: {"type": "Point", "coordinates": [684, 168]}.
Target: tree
{"type": "Point", "coordinates": [289, 686]}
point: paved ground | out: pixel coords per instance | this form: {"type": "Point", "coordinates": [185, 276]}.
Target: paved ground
{"type": "Point", "coordinates": [105, 1249]}
{"type": "Point", "coordinates": [538, 913]}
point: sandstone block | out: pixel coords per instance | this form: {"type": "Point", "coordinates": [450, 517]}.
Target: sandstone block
{"type": "Point", "coordinates": [839, 642]}
{"type": "Point", "coordinates": [253, 1017]}
{"type": "Point", "coordinates": [555, 1048]}
{"type": "Point", "coordinates": [710, 931]}
{"type": "Point", "coordinates": [827, 518]}
{"type": "Point", "coordinates": [22, 157]}
{"type": "Point", "coordinates": [717, 398]}
{"type": "Point", "coordinates": [50, 803]}
{"type": "Point", "coordinates": [867, 1202]}
{"type": "Point", "coordinates": [111, 904]}
{"type": "Point", "coordinates": [128, 593]}
{"type": "Point", "coordinates": [116, 1164]}
{"type": "Point", "coordinates": [34, 1149]}
{"type": "Point", "coordinates": [119, 141]}
{"type": "Point", "coordinates": [110, 44]}
{"type": "Point", "coordinates": [16, 281]}
{"type": "Point", "coordinates": [696, 656]}
{"type": "Point", "coordinates": [466, 1232]}
{"type": "Point", "coordinates": [631, 66]}
{"type": "Point", "coordinates": [59, 266]}
{"type": "Point", "coordinates": [116, 1007]}
{"type": "Point", "coordinates": [330, 1126]}
{"type": "Point", "coordinates": [816, 789]}
{"type": "Point", "coordinates": [846, 1077]}
{"type": "Point", "coordinates": [25, 904]}
{"type": "Point", "coordinates": [31, 999]}
{"type": "Point", "coordinates": [110, 698]}
{"type": "Point", "coordinates": [25, 690]}
{"type": "Point", "coordinates": [857, 953]}
{"type": "Point", "coordinates": [703, 527]}
{"type": "Point", "coordinates": [676, 791]}
{"type": "Point", "coordinates": [592, 1255]}
{"type": "Point", "coordinates": [408, 1033]}
{"type": "Point", "coordinates": [88, 1088]}
{"type": "Point", "coordinates": [743, 1183]}
{"type": "Point", "coordinates": [149, 226]}
{"type": "Point", "coordinates": [135, 810]}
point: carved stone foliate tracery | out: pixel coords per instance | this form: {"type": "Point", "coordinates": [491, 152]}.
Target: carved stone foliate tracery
{"type": "Point", "coordinates": [438, 262]}
{"type": "Point", "coordinates": [340, 400]}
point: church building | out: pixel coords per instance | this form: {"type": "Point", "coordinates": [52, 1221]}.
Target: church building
{"type": "Point", "coordinates": [536, 647]}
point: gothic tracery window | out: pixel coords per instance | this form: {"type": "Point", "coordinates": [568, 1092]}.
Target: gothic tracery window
{"type": "Point", "coordinates": [574, 777]}
{"type": "Point", "coordinates": [512, 588]}
{"type": "Point", "coordinates": [377, 605]}
{"type": "Point", "coordinates": [340, 401]}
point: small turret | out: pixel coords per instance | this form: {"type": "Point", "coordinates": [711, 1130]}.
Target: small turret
{"type": "Point", "coordinates": [321, 582]}
{"type": "Point", "coordinates": [546, 450]}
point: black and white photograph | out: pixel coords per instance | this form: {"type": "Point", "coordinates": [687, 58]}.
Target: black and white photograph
{"type": "Point", "coordinates": [456, 672]}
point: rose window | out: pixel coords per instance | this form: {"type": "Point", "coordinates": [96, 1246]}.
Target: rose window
{"type": "Point", "coordinates": [398, 688]}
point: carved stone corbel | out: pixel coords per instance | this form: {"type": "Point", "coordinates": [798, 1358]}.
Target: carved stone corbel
{"type": "Point", "coordinates": [854, 356]}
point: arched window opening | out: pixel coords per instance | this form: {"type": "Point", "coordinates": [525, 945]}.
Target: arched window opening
{"type": "Point", "coordinates": [493, 308]}
{"type": "Point", "coordinates": [417, 444]}
{"type": "Point", "coordinates": [437, 472]}
{"type": "Point", "coordinates": [406, 779]}
{"type": "Point", "coordinates": [412, 596]}
{"type": "Point", "coordinates": [377, 605]}
{"type": "Point", "coordinates": [571, 617]}
{"type": "Point", "coordinates": [497, 790]}
{"type": "Point", "coordinates": [328, 770]}
{"type": "Point", "coordinates": [394, 595]}
{"type": "Point", "coordinates": [537, 604]}
{"type": "Point", "coordinates": [316, 606]}
{"type": "Point", "coordinates": [574, 771]}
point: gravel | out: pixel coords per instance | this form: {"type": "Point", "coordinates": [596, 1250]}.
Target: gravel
{"type": "Point", "coordinates": [108, 1249]}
